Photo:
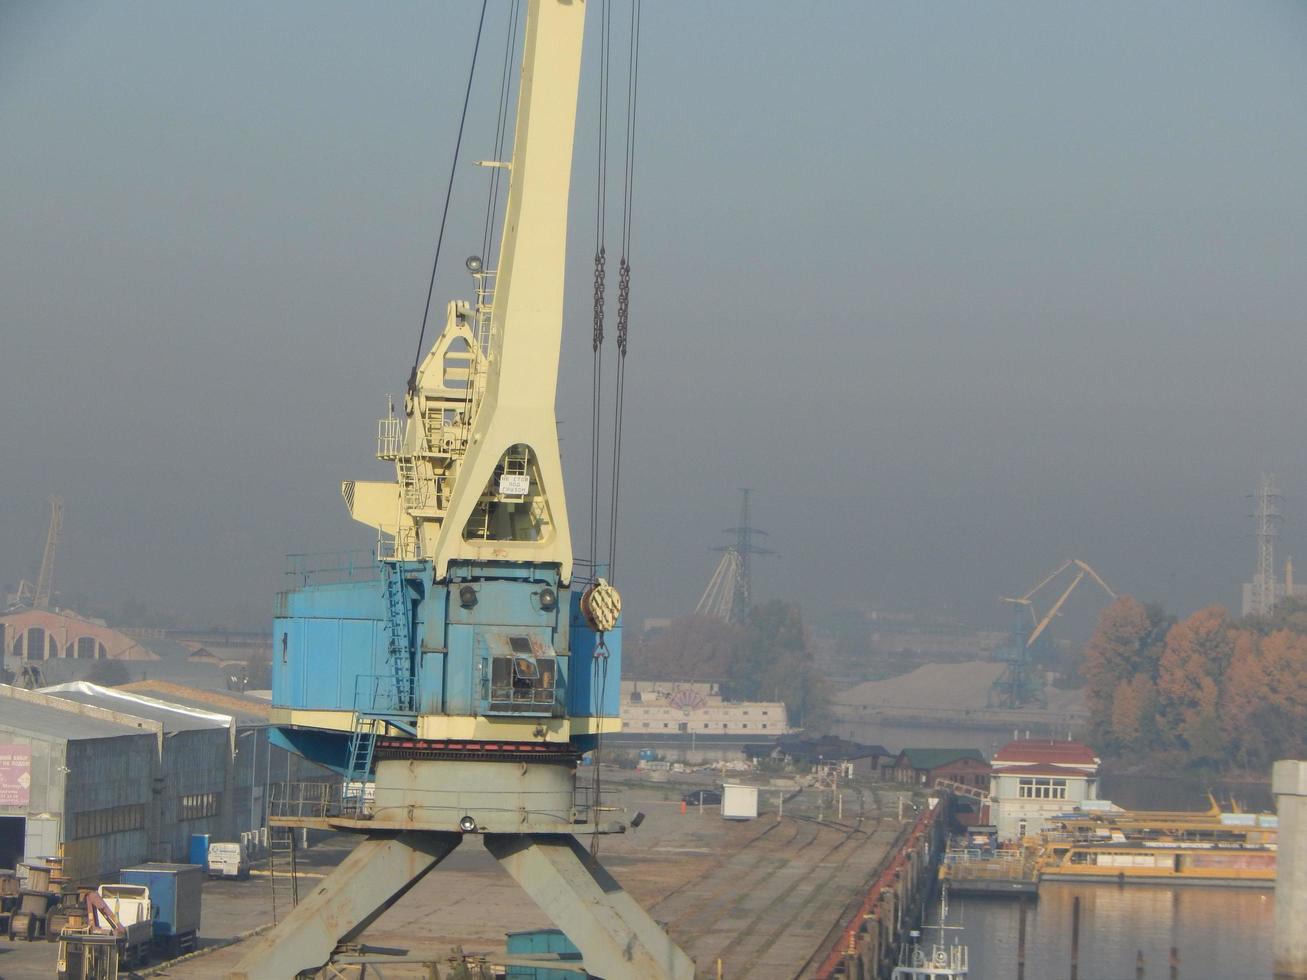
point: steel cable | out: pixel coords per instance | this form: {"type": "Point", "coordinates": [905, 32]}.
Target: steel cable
{"type": "Point", "coordinates": [449, 194]}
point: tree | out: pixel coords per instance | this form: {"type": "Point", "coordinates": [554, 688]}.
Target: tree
{"type": "Point", "coordinates": [1132, 710]}
{"type": "Point", "coordinates": [694, 648]}
{"type": "Point", "coordinates": [1197, 653]}
{"type": "Point", "coordinates": [1125, 645]}
{"type": "Point", "coordinates": [766, 660]}
{"type": "Point", "coordinates": [1264, 703]}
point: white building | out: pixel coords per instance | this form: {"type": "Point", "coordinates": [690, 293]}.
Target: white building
{"type": "Point", "coordinates": [1034, 780]}
{"type": "Point", "coordinates": [668, 708]}
{"type": "Point", "coordinates": [1286, 589]}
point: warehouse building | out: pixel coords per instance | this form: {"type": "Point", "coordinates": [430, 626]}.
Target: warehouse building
{"type": "Point", "coordinates": [75, 775]}
{"type": "Point", "coordinates": [258, 764]}
{"type": "Point", "coordinates": [194, 767]}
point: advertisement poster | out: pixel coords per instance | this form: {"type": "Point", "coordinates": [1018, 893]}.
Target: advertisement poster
{"type": "Point", "coordinates": [15, 775]}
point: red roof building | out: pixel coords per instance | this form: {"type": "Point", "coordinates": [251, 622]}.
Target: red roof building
{"type": "Point", "coordinates": [1034, 751]}
{"type": "Point", "coordinates": [1034, 780]}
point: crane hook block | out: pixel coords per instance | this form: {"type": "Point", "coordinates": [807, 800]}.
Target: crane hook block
{"type": "Point", "coordinates": [601, 606]}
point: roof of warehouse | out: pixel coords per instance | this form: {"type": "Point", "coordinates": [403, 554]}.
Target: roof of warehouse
{"type": "Point", "coordinates": [246, 709]}
{"type": "Point", "coordinates": [174, 717]}
{"type": "Point", "coordinates": [22, 717]}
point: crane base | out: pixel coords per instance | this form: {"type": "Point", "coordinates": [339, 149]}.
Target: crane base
{"type": "Point", "coordinates": [618, 939]}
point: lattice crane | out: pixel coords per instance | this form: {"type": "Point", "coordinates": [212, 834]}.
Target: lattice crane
{"type": "Point", "coordinates": [45, 581]}
{"type": "Point", "coordinates": [1017, 686]}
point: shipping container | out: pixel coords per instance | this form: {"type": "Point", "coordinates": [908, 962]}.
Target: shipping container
{"type": "Point", "coordinates": [739, 802]}
{"type": "Point", "coordinates": [175, 891]}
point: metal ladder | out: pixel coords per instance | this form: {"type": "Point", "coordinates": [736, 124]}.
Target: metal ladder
{"type": "Point", "coordinates": [399, 625]}
{"type": "Point", "coordinates": [281, 850]}
{"type": "Point", "coordinates": [362, 745]}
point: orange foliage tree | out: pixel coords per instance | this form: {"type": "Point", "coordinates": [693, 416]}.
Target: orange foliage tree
{"type": "Point", "coordinates": [1198, 651]}
{"type": "Point", "coordinates": [1212, 690]}
{"type": "Point", "coordinates": [1120, 661]}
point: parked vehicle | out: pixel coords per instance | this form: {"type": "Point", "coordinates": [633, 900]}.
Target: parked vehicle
{"type": "Point", "coordinates": [175, 891]}
{"type": "Point", "coordinates": [703, 797]}
{"type": "Point", "coordinates": [228, 860]}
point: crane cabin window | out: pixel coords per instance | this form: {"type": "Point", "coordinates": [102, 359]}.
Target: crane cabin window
{"type": "Point", "coordinates": [523, 676]}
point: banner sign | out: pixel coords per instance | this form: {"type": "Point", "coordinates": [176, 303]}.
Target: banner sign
{"type": "Point", "coordinates": [15, 775]}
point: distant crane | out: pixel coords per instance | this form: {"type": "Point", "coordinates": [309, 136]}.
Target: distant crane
{"type": "Point", "coordinates": [38, 596]}
{"type": "Point", "coordinates": [45, 581]}
{"type": "Point", "coordinates": [1017, 685]}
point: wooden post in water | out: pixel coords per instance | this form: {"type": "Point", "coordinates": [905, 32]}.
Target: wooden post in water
{"type": "Point", "coordinates": [1075, 938]}
{"type": "Point", "coordinates": [1139, 964]}
{"type": "Point", "coordinates": [1175, 963]}
{"type": "Point", "coordinates": [1021, 940]}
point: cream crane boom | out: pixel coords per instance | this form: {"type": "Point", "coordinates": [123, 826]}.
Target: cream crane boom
{"type": "Point", "coordinates": [479, 475]}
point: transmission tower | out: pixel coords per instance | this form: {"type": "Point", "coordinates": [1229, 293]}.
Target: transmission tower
{"type": "Point", "coordinates": [743, 550]}
{"type": "Point", "coordinates": [1266, 520]}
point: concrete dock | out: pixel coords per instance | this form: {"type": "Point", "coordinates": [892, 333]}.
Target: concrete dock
{"type": "Point", "coordinates": [767, 897]}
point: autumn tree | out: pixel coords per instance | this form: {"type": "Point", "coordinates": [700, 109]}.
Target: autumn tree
{"type": "Point", "coordinates": [767, 659]}
{"type": "Point", "coordinates": [1193, 667]}
{"type": "Point", "coordinates": [1126, 645]}
{"type": "Point", "coordinates": [693, 648]}
{"type": "Point", "coordinates": [1133, 714]}
{"type": "Point", "coordinates": [1264, 701]}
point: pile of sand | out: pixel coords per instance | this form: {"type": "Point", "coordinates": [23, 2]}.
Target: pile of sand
{"type": "Point", "coordinates": [964, 685]}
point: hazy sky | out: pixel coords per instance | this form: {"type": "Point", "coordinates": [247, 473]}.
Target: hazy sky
{"type": "Point", "coordinates": [961, 289]}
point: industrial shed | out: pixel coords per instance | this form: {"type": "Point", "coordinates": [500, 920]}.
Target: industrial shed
{"type": "Point", "coordinates": [193, 772]}
{"type": "Point", "coordinates": [77, 777]}
{"type": "Point", "coordinates": [258, 763]}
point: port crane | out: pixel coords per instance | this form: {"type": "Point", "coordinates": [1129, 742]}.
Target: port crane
{"type": "Point", "coordinates": [39, 597]}
{"type": "Point", "coordinates": [1017, 685]}
{"type": "Point", "coordinates": [455, 690]}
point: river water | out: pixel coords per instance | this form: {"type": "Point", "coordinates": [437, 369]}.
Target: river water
{"type": "Point", "coordinates": [1219, 933]}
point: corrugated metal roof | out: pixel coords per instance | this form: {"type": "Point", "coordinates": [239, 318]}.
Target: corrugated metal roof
{"type": "Point", "coordinates": [22, 717]}
{"type": "Point", "coordinates": [246, 709]}
{"type": "Point", "coordinates": [174, 717]}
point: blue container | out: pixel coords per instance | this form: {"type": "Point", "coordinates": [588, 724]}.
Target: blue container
{"type": "Point", "coordinates": [174, 893]}
{"type": "Point", "coordinates": [199, 850]}
{"type": "Point", "coordinates": [537, 942]}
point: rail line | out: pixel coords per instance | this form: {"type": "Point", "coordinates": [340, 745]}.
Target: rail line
{"type": "Point", "coordinates": [813, 887]}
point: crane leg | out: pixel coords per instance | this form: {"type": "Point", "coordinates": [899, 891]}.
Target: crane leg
{"type": "Point", "coordinates": [617, 937]}
{"type": "Point", "coordinates": [376, 874]}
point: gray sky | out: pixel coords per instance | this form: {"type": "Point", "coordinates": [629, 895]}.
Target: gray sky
{"type": "Point", "coordinates": [961, 289]}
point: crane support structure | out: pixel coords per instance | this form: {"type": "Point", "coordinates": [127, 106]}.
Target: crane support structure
{"type": "Point", "coordinates": [1017, 685]}
{"type": "Point", "coordinates": [455, 691]}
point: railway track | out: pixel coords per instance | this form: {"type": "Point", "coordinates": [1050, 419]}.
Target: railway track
{"type": "Point", "coordinates": [776, 902]}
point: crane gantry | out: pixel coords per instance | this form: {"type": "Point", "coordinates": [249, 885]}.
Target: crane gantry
{"type": "Point", "coordinates": [1016, 686]}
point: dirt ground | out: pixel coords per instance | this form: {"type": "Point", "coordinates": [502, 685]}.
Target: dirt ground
{"type": "Point", "coordinates": [763, 896]}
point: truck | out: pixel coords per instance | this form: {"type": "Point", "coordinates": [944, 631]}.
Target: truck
{"type": "Point", "coordinates": [117, 930]}
{"type": "Point", "coordinates": [228, 860]}
{"type": "Point", "coordinates": [175, 891]}
{"type": "Point", "coordinates": [153, 909]}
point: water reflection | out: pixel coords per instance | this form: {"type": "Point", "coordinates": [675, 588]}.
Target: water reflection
{"type": "Point", "coordinates": [1218, 932]}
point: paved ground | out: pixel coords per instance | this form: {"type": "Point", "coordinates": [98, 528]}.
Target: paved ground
{"type": "Point", "coordinates": [761, 895]}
